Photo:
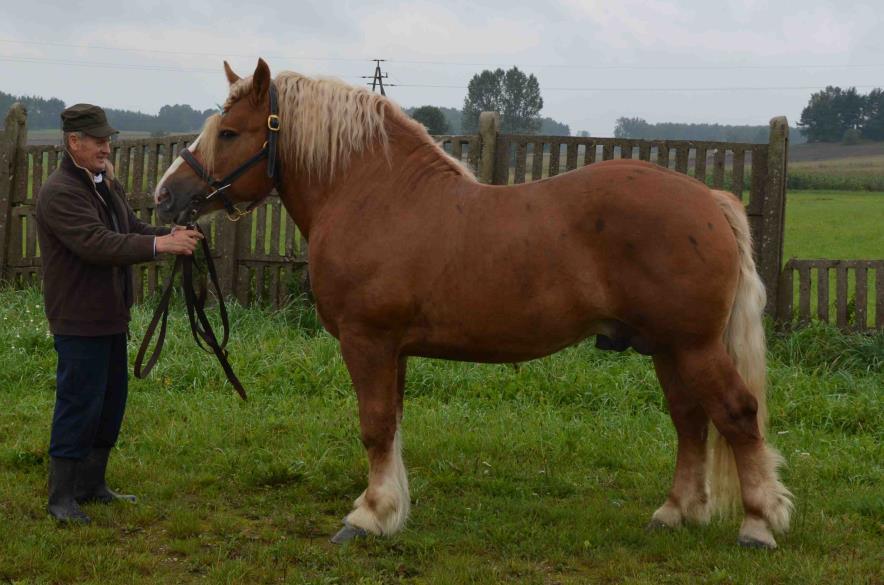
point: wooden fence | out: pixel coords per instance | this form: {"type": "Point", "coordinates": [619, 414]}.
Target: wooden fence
{"type": "Point", "coordinates": [262, 258]}
{"type": "Point", "coordinates": [833, 291]}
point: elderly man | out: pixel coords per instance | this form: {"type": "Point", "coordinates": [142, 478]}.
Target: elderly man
{"type": "Point", "coordinates": [89, 237]}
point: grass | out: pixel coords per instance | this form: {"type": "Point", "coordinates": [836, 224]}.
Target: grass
{"type": "Point", "coordinates": [834, 224]}
{"type": "Point", "coordinates": [545, 473]}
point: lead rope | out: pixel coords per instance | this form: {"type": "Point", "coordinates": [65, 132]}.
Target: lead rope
{"type": "Point", "coordinates": [200, 327]}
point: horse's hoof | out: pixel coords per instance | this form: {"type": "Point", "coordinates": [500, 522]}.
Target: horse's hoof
{"type": "Point", "coordinates": [348, 533]}
{"type": "Point", "coordinates": [749, 542]}
{"type": "Point", "coordinates": [657, 525]}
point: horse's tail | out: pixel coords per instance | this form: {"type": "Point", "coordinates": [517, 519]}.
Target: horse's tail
{"type": "Point", "coordinates": [745, 342]}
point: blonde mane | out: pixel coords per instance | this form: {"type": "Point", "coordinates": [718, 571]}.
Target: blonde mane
{"type": "Point", "coordinates": [326, 121]}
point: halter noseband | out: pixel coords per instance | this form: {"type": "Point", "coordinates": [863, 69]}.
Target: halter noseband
{"type": "Point", "coordinates": [268, 151]}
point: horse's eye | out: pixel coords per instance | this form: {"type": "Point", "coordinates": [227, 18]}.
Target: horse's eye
{"type": "Point", "coordinates": [227, 134]}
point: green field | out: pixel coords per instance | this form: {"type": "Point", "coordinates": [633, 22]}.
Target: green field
{"type": "Point", "coordinates": [843, 225]}
{"type": "Point", "coordinates": [542, 474]}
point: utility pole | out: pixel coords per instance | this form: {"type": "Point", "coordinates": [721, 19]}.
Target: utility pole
{"type": "Point", "coordinates": [377, 80]}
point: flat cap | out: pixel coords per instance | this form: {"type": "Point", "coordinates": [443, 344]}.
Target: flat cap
{"type": "Point", "coordinates": [86, 118]}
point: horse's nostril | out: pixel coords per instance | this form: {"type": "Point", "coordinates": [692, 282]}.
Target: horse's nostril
{"type": "Point", "coordinates": [163, 194]}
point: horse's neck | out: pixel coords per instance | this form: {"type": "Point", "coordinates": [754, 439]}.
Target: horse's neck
{"type": "Point", "coordinates": [409, 161]}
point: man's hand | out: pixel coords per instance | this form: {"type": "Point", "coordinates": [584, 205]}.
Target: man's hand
{"type": "Point", "coordinates": [180, 241]}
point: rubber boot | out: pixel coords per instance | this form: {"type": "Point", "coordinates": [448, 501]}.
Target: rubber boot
{"type": "Point", "coordinates": [62, 489]}
{"type": "Point", "coordinates": [91, 486]}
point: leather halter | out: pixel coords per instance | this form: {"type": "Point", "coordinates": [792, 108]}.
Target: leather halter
{"type": "Point", "coordinates": [268, 151]}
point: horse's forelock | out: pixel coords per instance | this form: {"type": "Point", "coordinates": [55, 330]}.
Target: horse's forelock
{"type": "Point", "coordinates": [237, 91]}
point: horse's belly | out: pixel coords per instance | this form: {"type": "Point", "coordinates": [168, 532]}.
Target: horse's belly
{"type": "Point", "coordinates": [504, 338]}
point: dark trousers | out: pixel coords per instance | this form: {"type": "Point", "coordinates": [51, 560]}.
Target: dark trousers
{"type": "Point", "coordinates": [92, 384]}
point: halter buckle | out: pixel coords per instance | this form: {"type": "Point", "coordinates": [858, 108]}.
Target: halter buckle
{"type": "Point", "coordinates": [273, 123]}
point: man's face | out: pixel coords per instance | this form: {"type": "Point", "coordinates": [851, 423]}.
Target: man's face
{"type": "Point", "coordinates": [90, 152]}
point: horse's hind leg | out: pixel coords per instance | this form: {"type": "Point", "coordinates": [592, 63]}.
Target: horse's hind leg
{"type": "Point", "coordinates": [709, 373]}
{"type": "Point", "coordinates": [383, 506]}
{"type": "Point", "coordinates": [688, 499]}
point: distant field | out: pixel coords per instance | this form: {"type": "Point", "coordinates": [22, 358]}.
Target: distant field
{"type": "Point", "coordinates": [836, 166]}
{"type": "Point", "coordinates": [814, 152]}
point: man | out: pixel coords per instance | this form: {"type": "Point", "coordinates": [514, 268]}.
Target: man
{"type": "Point", "coordinates": [89, 237]}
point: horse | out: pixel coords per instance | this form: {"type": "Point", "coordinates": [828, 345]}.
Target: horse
{"type": "Point", "coordinates": [409, 255]}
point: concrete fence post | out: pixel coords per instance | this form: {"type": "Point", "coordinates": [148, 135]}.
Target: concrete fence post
{"type": "Point", "coordinates": [489, 126]}
{"type": "Point", "coordinates": [12, 143]}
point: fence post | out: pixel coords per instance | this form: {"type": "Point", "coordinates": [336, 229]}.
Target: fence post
{"type": "Point", "coordinates": [12, 143]}
{"type": "Point", "coordinates": [228, 252]}
{"type": "Point", "coordinates": [489, 125]}
{"type": "Point", "coordinates": [774, 213]}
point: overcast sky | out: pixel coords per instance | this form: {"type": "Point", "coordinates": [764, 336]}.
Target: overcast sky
{"type": "Point", "coordinates": [595, 60]}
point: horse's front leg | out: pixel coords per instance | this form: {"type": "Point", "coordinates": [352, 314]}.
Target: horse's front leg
{"type": "Point", "coordinates": [374, 366]}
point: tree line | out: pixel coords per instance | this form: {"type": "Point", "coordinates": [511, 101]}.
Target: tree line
{"type": "Point", "coordinates": [45, 114]}
{"type": "Point", "coordinates": [641, 129]}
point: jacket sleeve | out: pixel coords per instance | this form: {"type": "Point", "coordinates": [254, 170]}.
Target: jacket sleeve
{"type": "Point", "coordinates": [80, 229]}
{"type": "Point", "coordinates": [139, 227]}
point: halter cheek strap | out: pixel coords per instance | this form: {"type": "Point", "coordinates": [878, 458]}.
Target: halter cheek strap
{"type": "Point", "coordinates": [219, 186]}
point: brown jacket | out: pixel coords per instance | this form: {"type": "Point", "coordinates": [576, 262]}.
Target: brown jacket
{"type": "Point", "coordinates": [86, 261]}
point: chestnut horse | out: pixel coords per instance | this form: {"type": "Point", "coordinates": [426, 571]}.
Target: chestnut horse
{"type": "Point", "coordinates": [411, 256]}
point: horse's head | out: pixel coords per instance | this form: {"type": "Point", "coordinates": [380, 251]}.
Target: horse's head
{"type": "Point", "coordinates": [232, 160]}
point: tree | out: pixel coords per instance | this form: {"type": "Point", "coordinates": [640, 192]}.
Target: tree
{"type": "Point", "coordinates": [483, 95]}
{"type": "Point", "coordinates": [432, 118]}
{"type": "Point", "coordinates": [830, 113]}
{"type": "Point", "coordinates": [520, 102]}
{"type": "Point", "coordinates": [550, 127]}
{"type": "Point", "coordinates": [873, 123]}
{"type": "Point", "coordinates": [851, 137]}
{"type": "Point", "coordinates": [512, 93]}
{"type": "Point", "coordinates": [632, 128]}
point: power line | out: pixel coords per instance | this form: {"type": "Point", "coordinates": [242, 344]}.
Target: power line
{"type": "Point", "coordinates": [167, 52]}
{"type": "Point", "coordinates": [654, 89]}
{"type": "Point", "coordinates": [378, 77]}
{"type": "Point", "coordinates": [112, 65]}
{"type": "Point", "coordinates": [461, 63]}
{"type": "Point", "coordinates": [530, 66]}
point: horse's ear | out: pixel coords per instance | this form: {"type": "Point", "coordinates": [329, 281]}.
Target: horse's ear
{"type": "Point", "coordinates": [261, 79]}
{"type": "Point", "coordinates": [231, 76]}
